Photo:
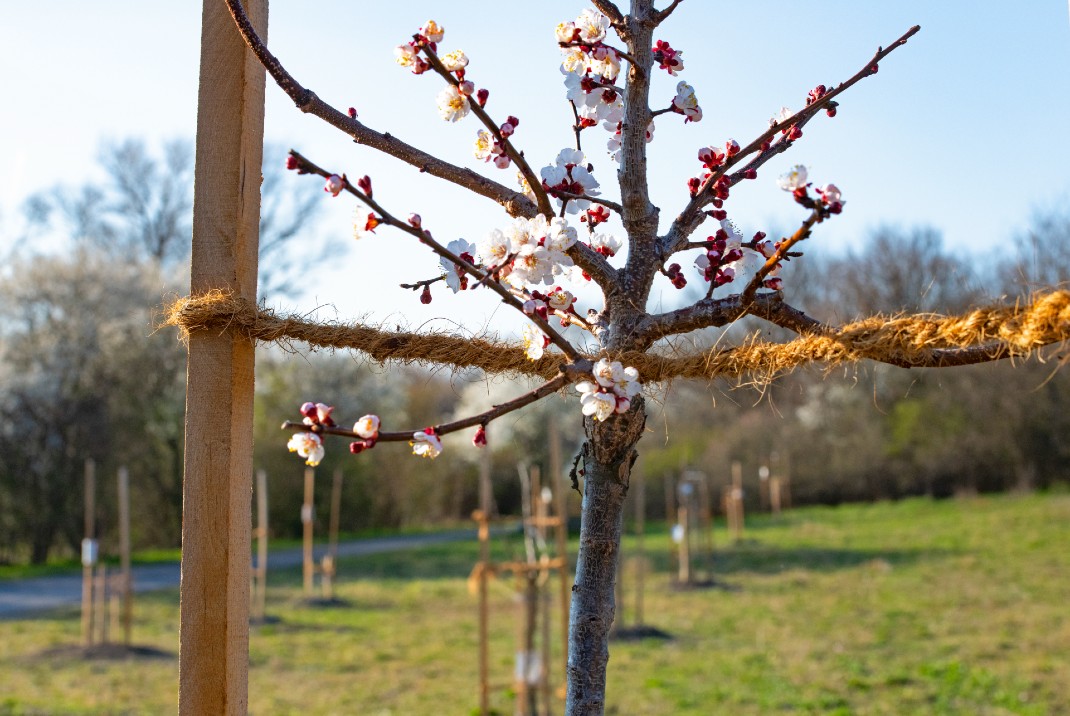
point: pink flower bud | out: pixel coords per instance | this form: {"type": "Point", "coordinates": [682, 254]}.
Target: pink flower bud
{"type": "Point", "coordinates": [731, 147]}
{"type": "Point", "coordinates": [415, 221]}
{"type": "Point", "coordinates": [308, 410]}
{"type": "Point", "coordinates": [502, 161]}
{"type": "Point", "coordinates": [481, 97]}
{"type": "Point", "coordinates": [334, 185]}
{"type": "Point", "coordinates": [507, 129]}
{"type": "Point", "coordinates": [467, 88]}
{"type": "Point", "coordinates": [425, 297]}
{"type": "Point", "coordinates": [513, 121]}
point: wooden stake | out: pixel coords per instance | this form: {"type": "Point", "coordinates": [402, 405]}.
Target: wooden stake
{"type": "Point", "coordinates": [482, 515]}
{"type": "Point", "coordinates": [559, 484]}
{"type": "Point", "coordinates": [308, 513]}
{"type": "Point", "coordinates": [737, 499]}
{"type": "Point", "coordinates": [260, 596]}
{"type": "Point", "coordinates": [88, 550]}
{"type": "Point", "coordinates": [640, 527]}
{"type": "Point", "coordinates": [127, 577]}
{"type": "Point", "coordinates": [329, 562]}
{"type": "Point", "coordinates": [214, 632]}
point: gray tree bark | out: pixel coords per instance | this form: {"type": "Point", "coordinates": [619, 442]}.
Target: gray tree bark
{"type": "Point", "coordinates": [608, 456]}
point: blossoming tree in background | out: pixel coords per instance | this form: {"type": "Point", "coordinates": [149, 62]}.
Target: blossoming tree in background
{"type": "Point", "coordinates": [553, 241]}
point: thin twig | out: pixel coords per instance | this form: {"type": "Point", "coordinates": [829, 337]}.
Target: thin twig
{"type": "Point", "coordinates": [551, 386]}
{"type": "Point", "coordinates": [816, 216]}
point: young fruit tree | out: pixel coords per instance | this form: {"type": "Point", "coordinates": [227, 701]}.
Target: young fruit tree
{"type": "Point", "coordinates": [554, 240]}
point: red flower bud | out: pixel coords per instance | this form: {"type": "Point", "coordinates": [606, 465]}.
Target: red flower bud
{"type": "Point", "coordinates": [750, 173]}
{"type": "Point", "coordinates": [480, 439]}
{"type": "Point", "coordinates": [481, 97]}
{"type": "Point", "coordinates": [352, 112]}
{"type": "Point", "coordinates": [291, 162]}
{"type": "Point", "coordinates": [425, 297]}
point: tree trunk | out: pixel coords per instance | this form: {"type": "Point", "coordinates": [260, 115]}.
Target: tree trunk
{"type": "Point", "coordinates": [608, 456]}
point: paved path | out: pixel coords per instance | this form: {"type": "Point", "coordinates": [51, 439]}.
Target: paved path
{"type": "Point", "coordinates": [23, 597]}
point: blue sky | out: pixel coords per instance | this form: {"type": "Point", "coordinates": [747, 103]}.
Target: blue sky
{"type": "Point", "coordinates": [963, 129]}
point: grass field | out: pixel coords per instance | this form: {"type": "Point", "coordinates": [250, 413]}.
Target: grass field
{"type": "Point", "coordinates": [917, 607]}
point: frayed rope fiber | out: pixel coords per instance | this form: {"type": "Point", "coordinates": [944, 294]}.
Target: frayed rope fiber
{"type": "Point", "coordinates": [918, 340]}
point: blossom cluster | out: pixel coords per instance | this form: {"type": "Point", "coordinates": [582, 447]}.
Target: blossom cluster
{"type": "Point", "coordinates": [570, 174]}
{"type": "Point", "coordinates": [795, 181]}
{"type": "Point", "coordinates": [611, 391]}
{"type": "Point", "coordinates": [530, 251]}
{"type": "Point", "coordinates": [724, 251]}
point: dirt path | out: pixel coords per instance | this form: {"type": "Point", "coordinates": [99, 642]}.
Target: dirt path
{"type": "Point", "coordinates": [21, 598]}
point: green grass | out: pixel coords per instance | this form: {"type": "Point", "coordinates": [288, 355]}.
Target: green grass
{"type": "Point", "coordinates": [917, 607]}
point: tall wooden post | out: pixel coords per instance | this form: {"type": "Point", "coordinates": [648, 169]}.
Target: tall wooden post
{"type": "Point", "coordinates": [330, 560]}
{"type": "Point", "coordinates": [89, 552]}
{"type": "Point", "coordinates": [308, 514]}
{"type": "Point", "coordinates": [127, 596]}
{"type": "Point", "coordinates": [217, 483]}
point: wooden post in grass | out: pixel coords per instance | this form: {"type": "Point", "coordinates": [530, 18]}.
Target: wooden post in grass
{"type": "Point", "coordinates": [560, 486]}
{"type": "Point", "coordinates": [308, 514]}
{"type": "Point", "coordinates": [89, 552]}
{"type": "Point", "coordinates": [683, 520]}
{"type": "Point", "coordinates": [737, 499]}
{"type": "Point", "coordinates": [639, 484]}
{"type": "Point", "coordinates": [101, 601]}
{"type": "Point", "coordinates": [126, 576]}
{"type": "Point", "coordinates": [329, 560]}
{"type": "Point", "coordinates": [774, 495]}
{"type": "Point", "coordinates": [482, 516]}
{"type": "Point", "coordinates": [764, 489]}
{"type": "Point", "coordinates": [260, 574]}
{"type": "Point", "coordinates": [218, 462]}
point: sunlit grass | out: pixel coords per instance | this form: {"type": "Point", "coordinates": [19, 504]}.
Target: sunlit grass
{"type": "Point", "coordinates": [917, 607]}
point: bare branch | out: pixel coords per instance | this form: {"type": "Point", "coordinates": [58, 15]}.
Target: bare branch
{"type": "Point", "coordinates": [610, 10]}
{"type": "Point", "coordinates": [662, 15]}
{"type": "Point", "coordinates": [690, 217]}
{"type": "Point", "coordinates": [551, 386]}
{"type": "Point", "coordinates": [816, 216]}
{"type": "Point", "coordinates": [514, 202]}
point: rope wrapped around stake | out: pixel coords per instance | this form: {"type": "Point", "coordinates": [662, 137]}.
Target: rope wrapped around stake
{"type": "Point", "coordinates": [923, 340]}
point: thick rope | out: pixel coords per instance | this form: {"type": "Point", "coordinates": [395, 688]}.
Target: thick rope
{"type": "Point", "coordinates": [918, 340]}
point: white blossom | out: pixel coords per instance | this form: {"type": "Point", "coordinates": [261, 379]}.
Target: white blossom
{"type": "Point", "coordinates": [592, 26]}
{"type": "Point", "coordinates": [794, 179]}
{"type": "Point", "coordinates": [535, 341]}
{"type": "Point", "coordinates": [405, 55]}
{"type": "Point", "coordinates": [433, 31]}
{"type": "Point", "coordinates": [452, 104]}
{"type": "Point", "coordinates": [367, 427]}
{"type": "Point", "coordinates": [426, 444]}
{"type": "Point", "coordinates": [454, 61]}
{"type": "Point", "coordinates": [594, 402]}
{"type": "Point", "coordinates": [454, 273]}
{"type": "Point", "coordinates": [307, 445]}
{"type": "Point", "coordinates": [686, 103]}
{"type": "Point", "coordinates": [606, 244]}
{"type": "Point", "coordinates": [495, 248]}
